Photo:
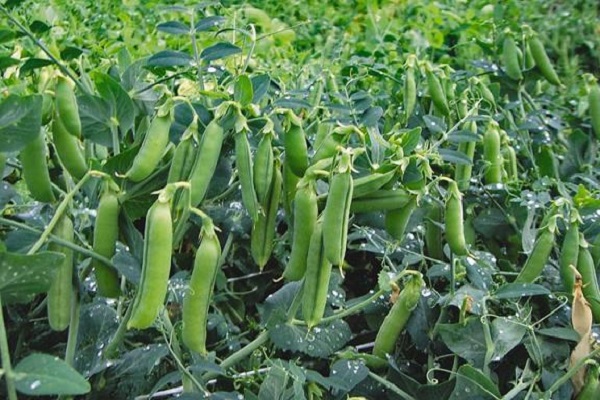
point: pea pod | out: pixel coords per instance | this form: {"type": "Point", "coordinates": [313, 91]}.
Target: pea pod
{"type": "Point", "coordinates": [294, 143]}
{"type": "Point", "coordinates": [542, 60]}
{"type": "Point", "coordinates": [156, 265]}
{"type": "Point", "coordinates": [263, 231]}
{"type": "Point", "coordinates": [153, 147]}
{"type": "Point", "coordinates": [3, 158]}
{"type": "Point", "coordinates": [528, 61]}
{"type": "Point", "coordinates": [510, 163]}
{"type": "Point", "coordinates": [290, 182]}
{"type": "Point", "coordinates": [370, 183]}
{"type": "Point", "coordinates": [337, 212]}
{"type": "Point", "coordinates": [454, 221]}
{"type": "Point", "coordinates": [398, 316]}
{"type": "Point", "coordinates": [184, 156]}
{"type": "Point", "coordinates": [569, 253]}
{"type": "Point", "coordinates": [380, 200]}
{"type": "Point", "coordinates": [197, 298]}
{"type": "Point", "coordinates": [436, 92]}
{"type": "Point", "coordinates": [327, 142]}
{"type": "Point", "coordinates": [208, 155]}
{"type": "Point", "coordinates": [316, 280]}
{"type": "Point", "coordinates": [492, 154]}
{"type": "Point", "coordinates": [66, 107]}
{"type": "Point", "coordinates": [546, 162]}
{"type": "Point", "coordinates": [410, 87]}
{"type": "Point", "coordinates": [510, 58]}
{"type": "Point", "coordinates": [60, 294]}
{"type": "Point", "coordinates": [585, 266]}
{"type": "Point", "coordinates": [306, 212]}
{"type": "Point", "coordinates": [35, 170]}
{"type": "Point", "coordinates": [463, 172]}
{"type": "Point", "coordinates": [594, 104]}
{"type": "Point", "coordinates": [68, 150]}
{"type": "Point", "coordinates": [243, 162]}
{"type": "Point", "coordinates": [106, 234]}
{"type": "Point", "coordinates": [263, 167]}
{"type": "Point", "coordinates": [396, 221]}
{"type": "Point", "coordinates": [539, 255]}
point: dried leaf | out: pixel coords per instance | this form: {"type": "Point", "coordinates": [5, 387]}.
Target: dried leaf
{"type": "Point", "coordinates": [580, 351]}
{"type": "Point", "coordinates": [581, 314]}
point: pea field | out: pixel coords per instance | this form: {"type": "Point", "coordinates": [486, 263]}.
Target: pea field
{"type": "Point", "coordinates": [272, 200]}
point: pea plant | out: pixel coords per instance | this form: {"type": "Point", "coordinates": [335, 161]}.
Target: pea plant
{"type": "Point", "coordinates": [229, 201]}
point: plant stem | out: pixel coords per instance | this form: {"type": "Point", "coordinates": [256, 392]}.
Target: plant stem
{"type": "Point", "coordinates": [389, 385]}
{"type": "Point", "coordinates": [59, 212]}
{"type": "Point", "coordinates": [563, 379]}
{"type": "Point", "coordinates": [111, 349]}
{"type": "Point", "coordinates": [8, 373]}
{"type": "Point", "coordinates": [73, 330]}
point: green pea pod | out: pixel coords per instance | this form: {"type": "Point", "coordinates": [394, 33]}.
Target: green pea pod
{"type": "Point", "coordinates": [463, 172]}
{"type": "Point", "coordinates": [539, 255]}
{"type": "Point", "coordinates": [47, 108]}
{"type": "Point", "coordinates": [60, 294]}
{"type": "Point", "coordinates": [492, 154]}
{"type": "Point", "coordinates": [587, 269]}
{"type": "Point", "coordinates": [594, 104]}
{"type": "Point", "coordinates": [3, 158]}
{"type": "Point", "coordinates": [106, 234]}
{"type": "Point", "coordinates": [337, 212]}
{"type": "Point", "coordinates": [66, 107]}
{"type": "Point", "coordinates": [208, 155]}
{"type": "Point", "coordinates": [569, 253]}
{"type": "Point", "coordinates": [306, 212]}
{"type": "Point", "coordinates": [437, 93]}
{"type": "Point", "coordinates": [243, 161]}
{"type": "Point", "coordinates": [156, 265]}
{"type": "Point", "coordinates": [381, 200]}
{"type": "Point", "coordinates": [546, 162]}
{"type": "Point", "coordinates": [316, 280]}
{"type": "Point", "coordinates": [397, 317]}
{"type": "Point", "coordinates": [410, 87]}
{"type": "Point", "coordinates": [510, 163]}
{"type": "Point", "coordinates": [454, 221]}
{"type": "Point", "coordinates": [263, 167]}
{"type": "Point", "coordinates": [35, 170]}
{"type": "Point", "coordinates": [197, 299]}
{"type": "Point", "coordinates": [68, 150]}
{"type": "Point", "coordinates": [543, 61]}
{"type": "Point", "coordinates": [326, 144]}
{"type": "Point", "coordinates": [595, 250]}
{"type": "Point", "coordinates": [153, 147]}
{"type": "Point", "coordinates": [396, 221]}
{"type": "Point", "coordinates": [371, 183]}
{"type": "Point", "coordinates": [529, 61]}
{"type": "Point", "coordinates": [510, 58]}
{"type": "Point", "coordinates": [290, 182]}
{"type": "Point", "coordinates": [184, 157]}
{"type": "Point", "coordinates": [263, 231]}
{"type": "Point", "coordinates": [294, 143]}
{"type": "Point", "coordinates": [591, 387]}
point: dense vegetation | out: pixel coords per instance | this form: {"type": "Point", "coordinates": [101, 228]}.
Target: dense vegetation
{"type": "Point", "coordinates": [303, 199]}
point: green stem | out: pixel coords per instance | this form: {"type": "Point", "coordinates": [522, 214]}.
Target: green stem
{"type": "Point", "coordinates": [110, 350]}
{"type": "Point", "coordinates": [73, 330]}
{"type": "Point", "coordinates": [390, 386]}
{"type": "Point", "coordinates": [197, 59]}
{"type": "Point", "coordinates": [59, 212]}
{"type": "Point", "coordinates": [489, 343]}
{"type": "Point", "coordinates": [569, 374]}
{"type": "Point", "coordinates": [57, 240]}
{"type": "Point", "coordinates": [8, 373]}
{"type": "Point", "coordinates": [241, 354]}
{"type": "Point", "coordinates": [296, 302]}
{"type": "Point", "coordinates": [115, 139]}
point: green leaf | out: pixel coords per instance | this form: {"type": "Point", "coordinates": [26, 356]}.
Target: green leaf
{"type": "Point", "coordinates": [455, 157]}
{"type": "Point", "coordinates": [410, 139]}
{"type": "Point", "coordinates": [24, 275]}
{"type": "Point", "coordinates": [97, 325]}
{"type": "Point", "coordinates": [95, 115]}
{"type": "Point", "coordinates": [516, 290]}
{"type": "Point", "coordinates": [33, 64]}
{"type": "Point", "coordinates": [174, 28]}
{"type": "Point", "coordinates": [6, 35]}
{"type": "Point", "coordinates": [208, 23]}
{"type": "Point", "coordinates": [219, 50]}
{"type": "Point", "coordinates": [507, 334]}
{"type": "Point", "coordinates": [471, 383]}
{"type": "Point", "coordinates": [463, 136]}
{"type": "Point", "coordinates": [260, 84]}
{"type": "Point", "coordinates": [20, 121]}
{"type": "Point", "coordinates": [560, 333]}
{"type": "Point", "coordinates": [435, 124]}
{"type": "Point", "coordinates": [243, 92]}
{"type": "Point", "coordinates": [169, 58]}
{"type": "Point", "coordinates": [466, 340]}
{"type": "Point", "coordinates": [346, 374]}
{"type": "Point", "coordinates": [70, 53]}
{"type": "Point", "coordinates": [121, 106]}
{"type": "Point", "coordinates": [42, 374]}
{"type": "Point", "coordinates": [275, 383]}
{"type": "Point", "coordinates": [321, 341]}
{"type": "Point", "coordinates": [7, 61]}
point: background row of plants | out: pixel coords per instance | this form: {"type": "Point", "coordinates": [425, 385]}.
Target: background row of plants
{"type": "Point", "coordinates": [342, 73]}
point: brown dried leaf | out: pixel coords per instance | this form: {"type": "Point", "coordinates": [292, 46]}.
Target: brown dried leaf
{"type": "Point", "coordinates": [581, 313]}
{"type": "Point", "coordinates": [580, 351]}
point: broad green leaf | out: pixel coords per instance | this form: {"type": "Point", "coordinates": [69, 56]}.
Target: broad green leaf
{"type": "Point", "coordinates": [97, 324]}
{"type": "Point", "coordinates": [346, 374]}
{"type": "Point", "coordinates": [24, 275]}
{"type": "Point", "coordinates": [8, 61]}
{"type": "Point", "coordinates": [275, 383]}
{"type": "Point", "coordinates": [516, 290]}
{"type": "Point", "coordinates": [560, 333]}
{"type": "Point", "coordinates": [410, 139]}
{"type": "Point", "coordinates": [6, 35]}
{"type": "Point", "coordinates": [507, 334]}
{"type": "Point", "coordinates": [435, 124]}
{"type": "Point", "coordinates": [467, 341]}
{"type": "Point", "coordinates": [243, 92]}
{"type": "Point", "coordinates": [371, 116]}
{"type": "Point", "coordinates": [208, 23]}
{"type": "Point", "coordinates": [277, 303]}
{"type": "Point", "coordinates": [42, 374]}
{"type": "Point", "coordinates": [219, 50]}
{"type": "Point", "coordinates": [70, 53]}
{"type": "Point", "coordinates": [260, 84]}
{"type": "Point", "coordinates": [292, 103]}
{"type": "Point", "coordinates": [455, 157]}
{"type": "Point", "coordinates": [39, 27]}
{"type": "Point", "coordinates": [463, 136]}
{"type": "Point", "coordinates": [473, 384]}
{"type": "Point", "coordinates": [95, 113]}
{"type": "Point", "coordinates": [20, 121]}
{"type": "Point", "coordinates": [321, 341]}
{"type": "Point", "coordinates": [174, 27]}
{"type": "Point", "coordinates": [33, 64]}
{"type": "Point", "coordinates": [121, 106]}
{"type": "Point", "coordinates": [169, 58]}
